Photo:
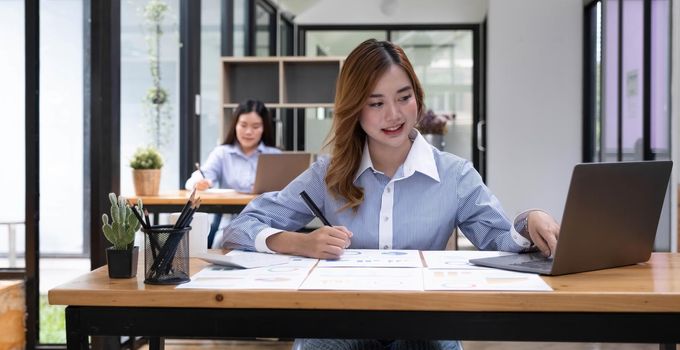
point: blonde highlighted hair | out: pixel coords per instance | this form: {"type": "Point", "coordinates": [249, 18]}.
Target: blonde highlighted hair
{"type": "Point", "coordinates": [359, 74]}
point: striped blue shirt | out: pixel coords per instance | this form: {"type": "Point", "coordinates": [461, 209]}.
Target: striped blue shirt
{"type": "Point", "coordinates": [228, 167]}
{"type": "Point", "coordinates": [431, 194]}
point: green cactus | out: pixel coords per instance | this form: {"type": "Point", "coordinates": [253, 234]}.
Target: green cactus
{"type": "Point", "coordinates": [121, 232]}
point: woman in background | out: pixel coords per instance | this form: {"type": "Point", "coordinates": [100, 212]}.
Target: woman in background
{"type": "Point", "coordinates": [233, 164]}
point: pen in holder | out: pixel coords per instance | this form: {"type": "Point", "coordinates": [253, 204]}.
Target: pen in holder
{"type": "Point", "coordinates": [166, 247]}
{"type": "Point", "coordinates": [166, 254]}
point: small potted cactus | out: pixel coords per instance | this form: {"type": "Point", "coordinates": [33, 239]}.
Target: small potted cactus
{"type": "Point", "coordinates": [122, 256]}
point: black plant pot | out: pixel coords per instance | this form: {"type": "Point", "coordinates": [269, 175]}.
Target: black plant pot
{"type": "Point", "coordinates": [122, 263]}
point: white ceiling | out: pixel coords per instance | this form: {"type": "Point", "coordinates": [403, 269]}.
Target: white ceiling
{"type": "Point", "coordinates": [295, 6]}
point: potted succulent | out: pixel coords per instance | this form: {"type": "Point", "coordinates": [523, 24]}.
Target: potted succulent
{"type": "Point", "coordinates": [433, 127]}
{"type": "Point", "coordinates": [122, 256]}
{"type": "Point", "coordinates": [146, 164]}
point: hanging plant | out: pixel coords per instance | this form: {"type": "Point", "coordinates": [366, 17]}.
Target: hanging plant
{"type": "Point", "coordinates": [157, 106]}
{"type": "Point", "coordinates": [157, 95]}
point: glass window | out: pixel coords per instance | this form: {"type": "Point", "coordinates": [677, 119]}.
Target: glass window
{"type": "Point", "coordinates": [328, 43]}
{"type": "Point", "coordinates": [286, 38]}
{"type": "Point", "coordinates": [598, 80]}
{"type": "Point", "coordinates": [624, 113]}
{"type": "Point", "coordinates": [263, 20]}
{"type": "Point", "coordinates": [239, 27]}
{"type": "Point", "coordinates": [660, 79]}
{"type": "Point", "coordinates": [61, 127]}
{"type": "Point", "coordinates": [12, 134]}
{"type": "Point", "coordinates": [338, 42]}
{"type": "Point", "coordinates": [592, 83]}
{"type": "Point", "coordinates": [62, 252]}
{"type": "Point", "coordinates": [210, 76]}
{"type": "Point", "coordinates": [444, 62]}
{"type": "Point", "coordinates": [149, 60]}
{"type": "Point", "coordinates": [632, 78]}
{"type": "Point", "coordinates": [610, 83]}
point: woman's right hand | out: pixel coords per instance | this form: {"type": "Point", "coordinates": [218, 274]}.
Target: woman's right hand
{"type": "Point", "coordinates": [325, 242]}
{"type": "Point", "coordinates": [203, 184]}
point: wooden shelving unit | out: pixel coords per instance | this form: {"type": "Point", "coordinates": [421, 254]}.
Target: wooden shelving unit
{"type": "Point", "coordinates": [280, 82]}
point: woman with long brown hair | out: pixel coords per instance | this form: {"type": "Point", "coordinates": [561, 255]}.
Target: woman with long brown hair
{"type": "Point", "coordinates": [384, 186]}
{"type": "Point", "coordinates": [233, 163]}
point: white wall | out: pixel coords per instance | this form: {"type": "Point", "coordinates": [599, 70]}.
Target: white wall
{"type": "Point", "coordinates": [393, 11]}
{"type": "Point", "coordinates": [534, 101]}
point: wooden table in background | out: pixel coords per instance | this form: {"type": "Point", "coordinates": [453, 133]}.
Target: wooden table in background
{"type": "Point", "coordinates": [230, 203]}
{"type": "Point", "coordinates": [632, 304]}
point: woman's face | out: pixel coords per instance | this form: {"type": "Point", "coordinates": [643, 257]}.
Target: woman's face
{"type": "Point", "coordinates": [390, 112]}
{"type": "Point", "coordinates": [249, 130]}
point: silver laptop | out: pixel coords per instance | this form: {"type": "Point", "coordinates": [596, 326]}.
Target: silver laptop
{"type": "Point", "coordinates": [610, 219]}
{"type": "Point", "coordinates": [276, 170]}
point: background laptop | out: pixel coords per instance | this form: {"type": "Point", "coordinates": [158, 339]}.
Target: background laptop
{"type": "Point", "coordinates": [276, 170]}
{"type": "Point", "coordinates": [610, 219]}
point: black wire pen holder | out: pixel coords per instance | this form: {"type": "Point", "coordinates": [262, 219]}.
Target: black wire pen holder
{"type": "Point", "coordinates": [166, 254]}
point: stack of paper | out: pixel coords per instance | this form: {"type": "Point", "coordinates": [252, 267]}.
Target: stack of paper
{"type": "Point", "coordinates": [361, 269]}
{"type": "Point", "coordinates": [450, 270]}
{"type": "Point", "coordinates": [288, 275]}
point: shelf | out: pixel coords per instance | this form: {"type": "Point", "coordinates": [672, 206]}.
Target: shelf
{"type": "Point", "coordinates": [251, 80]}
{"type": "Point", "coordinates": [309, 82]}
{"type": "Point", "coordinates": [294, 82]}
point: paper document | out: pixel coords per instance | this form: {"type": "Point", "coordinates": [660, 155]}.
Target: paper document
{"type": "Point", "coordinates": [368, 278]}
{"type": "Point", "coordinates": [243, 259]}
{"type": "Point", "coordinates": [375, 258]}
{"type": "Point", "coordinates": [456, 259]}
{"type": "Point", "coordinates": [482, 279]}
{"type": "Point", "coordinates": [288, 276]}
{"type": "Point", "coordinates": [219, 190]}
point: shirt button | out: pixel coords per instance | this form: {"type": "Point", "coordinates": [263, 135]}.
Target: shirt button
{"type": "Point", "coordinates": [389, 190]}
{"type": "Point", "coordinates": [386, 247]}
{"type": "Point", "coordinates": [387, 218]}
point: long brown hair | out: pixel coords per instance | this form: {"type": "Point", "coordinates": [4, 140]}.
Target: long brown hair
{"type": "Point", "coordinates": [261, 110]}
{"type": "Point", "coordinates": [359, 74]}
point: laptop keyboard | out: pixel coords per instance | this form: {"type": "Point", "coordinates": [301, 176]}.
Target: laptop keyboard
{"type": "Point", "coordinates": [537, 264]}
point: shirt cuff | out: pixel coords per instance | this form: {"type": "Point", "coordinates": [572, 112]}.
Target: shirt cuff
{"type": "Point", "coordinates": [516, 236]}
{"type": "Point", "coordinates": [195, 177]}
{"type": "Point", "coordinates": [261, 239]}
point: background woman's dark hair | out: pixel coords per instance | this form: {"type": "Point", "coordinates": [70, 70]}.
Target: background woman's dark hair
{"type": "Point", "coordinates": [261, 110]}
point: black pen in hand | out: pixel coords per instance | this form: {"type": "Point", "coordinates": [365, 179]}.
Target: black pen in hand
{"type": "Point", "coordinates": [198, 167]}
{"type": "Point", "coordinates": [310, 204]}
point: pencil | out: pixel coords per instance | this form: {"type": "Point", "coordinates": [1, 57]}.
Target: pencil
{"type": "Point", "coordinates": [198, 167]}
{"type": "Point", "coordinates": [138, 216]}
{"type": "Point", "coordinates": [185, 209]}
{"type": "Point", "coordinates": [146, 217]}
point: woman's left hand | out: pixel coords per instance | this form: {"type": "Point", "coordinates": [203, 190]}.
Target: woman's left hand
{"type": "Point", "coordinates": [543, 231]}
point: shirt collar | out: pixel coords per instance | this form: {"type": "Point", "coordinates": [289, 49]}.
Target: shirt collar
{"type": "Point", "coordinates": [236, 148]}
{"type": "Point", "coordinates": [420, 158]}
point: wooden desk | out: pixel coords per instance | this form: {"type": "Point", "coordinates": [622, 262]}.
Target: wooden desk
{"type": "Point", "coordinates": [636, 304]}
{"type": "Point", "coordinates": [232, 202]}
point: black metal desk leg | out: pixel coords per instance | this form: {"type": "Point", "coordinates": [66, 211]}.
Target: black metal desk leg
{"type": "Point", "coordinates": [75, 340]}
{"type": "Point", "coordinates": [156, 343]}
